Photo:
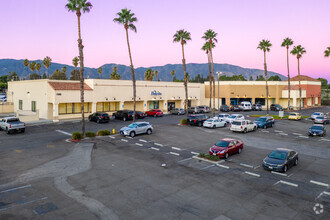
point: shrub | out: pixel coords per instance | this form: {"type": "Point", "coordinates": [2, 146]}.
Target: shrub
{"type": "Point", "coordinates": [183, 121]}
{"type": "Point", "coordinates": [101, 133]}
{"type": "Point", "coordinates": [90, 134]}
{"type": "Point", "coordinates": [201, 155]}
{"type": "Point", "coordinates": [76, 136]}
{"type": "Point", "coordinates": [212, 157]}
{"type": "Point", "coordinates": [107, 132]}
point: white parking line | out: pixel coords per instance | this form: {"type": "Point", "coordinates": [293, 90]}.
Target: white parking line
{"type": "Point", "coordinates": [223, 166]}
{"type": "Point", "coordinates": [185, 159]}
{"type": "Point", "coordinates": [64, 132]}
{"type": "Point", "coordinates": [297, 134]}
{"type": "Point", "coordinates": [112, 137]}
{"type": "Point", "coordinates": [154, 148]}
{"type": "Point", "coordinates": [326, 193]}
{"type": "Point", "coordinates": [278, 131]}
{"type": "Point", "coordinates": [176, 148]}
{"type": "Point", "coordinates": [264, 131]}
{"type": "Point", "coordinates": [129, 137]}
{"type": "Point", "coordinates": [303, 136]}
{"type": "Point", "coordinates": [176, 154]}
{"type": "Point", "coordinates": [283, 134]}
{"type": "Point", "coordinates": [143, 140]}
{"type": "Point", "coordinates": [124, 140]}
{"type": "Point", "coordinates": [257, 167]}
{"type": "Point", "coordinates": [139, 144]}
{"type": "Point", "coordinates": [192, 152]}
{"type": "Point", "coordinates": [277, 173]}
{"type": "Point", "coordinates": [252, 174]}
{"type": "Point", "coordinates": [158, 144]}
{"type": "Point", "coordinates": [207, 167]}
{"type": "Point", "coordinates": [319, 183]}
{"type": "Point", "coordinates": [246, 165]}
{"type": "Point", "coordinates": [13, 189]}
{"type": "Point", "coordinates": [323, 139]}
{"type": "Point", "coordinates": [286, 183]}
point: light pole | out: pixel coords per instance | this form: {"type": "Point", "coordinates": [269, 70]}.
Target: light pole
{"type": "Point", "coordinates": [218, 91]}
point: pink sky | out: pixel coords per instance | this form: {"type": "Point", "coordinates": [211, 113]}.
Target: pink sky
{"type": "Point", "coordinates": [37, 28]}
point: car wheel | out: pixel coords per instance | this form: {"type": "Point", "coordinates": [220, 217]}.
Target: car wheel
{"type": "Point", "coordinates": [296, 162]}
{"type": "Point", "coordinates": [23, 130]}
{"type": "Point", "coordinates": [132, 134]}
{"type": "Point", "coordinates": [155, 115]}
{"type": "Point", "coordinates": [7, 131]}
{"type": "Point", "coordinates": [98, 121]}
{"type": "Point", "coordinates": [285, 168]}
{"type": "Point", "coordinates": [239, 150]}
{"type": "Point", "coordinates": [225, 125]}
{"type": "Point", "coordinates": [226, 155]}
{"type": "Point", "coordinates": [200, 124]}
{"type": "Point", "coordinates": [255, 128]}
{"type": "Point", "coordinates": [271, 125]}
{"type": "Point", "coordinates": [124, 118]}
{"type": "Point", "coordinates": [245, 130]}
{"type": "Point", "coordinates": [149, 131]}
{"type": "Point", "coordinates": [265, 126]}
{"type": "Point", "coordinates": [214, 126]}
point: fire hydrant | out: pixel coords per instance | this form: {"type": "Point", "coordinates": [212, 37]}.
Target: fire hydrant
{"type": "Point", "coordinates": [113, 131]}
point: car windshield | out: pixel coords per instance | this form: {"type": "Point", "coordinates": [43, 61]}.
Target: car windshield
{"type": "Point", "coordinates": [192, 117]}
{"type": "Point", "coordinates": [133, 125]}
{"type": "Point", "coordinates": [261, 119]}
{"type": "Point", "coordinates": [316, 127]}
{"type": "Point", "coordinates": [209, 120]}
{"type": "Point", "coordinates": [236, 123]}
{"type": "Point", "coordinates": [12, 120]}
{"type": "Point", "coordinates": [232, 116]}
{"type": "Point", "coordinates": [293, 114]}
{"type": "Point", "coordinates": [316, 114]}
{"type": "Point", "coordinates": [277, 155]}
{"type": "Point", "coordinates": [221, 116]}
{"type": "Point", "coordinates": [222, 144]}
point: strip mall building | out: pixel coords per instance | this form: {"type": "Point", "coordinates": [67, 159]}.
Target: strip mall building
{"type": "Point", "coordinates": [55, 100]}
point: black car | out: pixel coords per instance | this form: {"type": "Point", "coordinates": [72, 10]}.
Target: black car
{"type": "Point", "coordinates": [281, 160]}
{"type": "Point", "coordinates": [224, 108]}
{"type": "Point", "coordinates": [139, 114]}
{"type": "Point", "coordinates": [123, 114]}
{"type": "Point", "coordinates": [99, 117]}
{"type": "Point", "coordinates": [235, 108]}
{"type": "Point", "coordinates": [276, 107]}
{"type": "Point", "coordinates": [197, 119]}
{"type": "Point", "coordinates": [256, 107]}
{"type": "Point", "coordinates": [317, 130]}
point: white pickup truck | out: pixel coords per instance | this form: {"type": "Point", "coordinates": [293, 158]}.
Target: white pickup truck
{"type": "Point", "coordinates": [11, 124]}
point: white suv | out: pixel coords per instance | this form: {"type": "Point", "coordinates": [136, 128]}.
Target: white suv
{"type": "Point", "coordinates": [243, 126]}
{"type": "Point", "coordinates": [316, 114]}
{"type": "Point", "coordinates": [233, 117]}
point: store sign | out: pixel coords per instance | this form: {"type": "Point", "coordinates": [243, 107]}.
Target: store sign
{"type": "Point", "coordinates": [156, 92]}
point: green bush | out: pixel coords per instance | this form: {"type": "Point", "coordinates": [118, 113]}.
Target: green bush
{"type": "Point", "coordinates": [183, 121]}
{"type": "Point", "coordinates": [212, 157]}
{"type": "Point", "coordinates": [107, 132]}
{"type": "Point", "coordinates": [101, 133]}
{"type": "Point", "coordinates": [201, 155]}
{"type": "Point", "coordinates": [90, 134]}
{"type": "Point", "coordinates": [76, 136]}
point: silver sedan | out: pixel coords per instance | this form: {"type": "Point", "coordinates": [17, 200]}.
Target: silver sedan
{"type": "Point", "coordinates": [178, 111]}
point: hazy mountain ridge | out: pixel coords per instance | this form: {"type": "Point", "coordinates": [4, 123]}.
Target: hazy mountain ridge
{"type": "Point", "coordinates": [7, 65]}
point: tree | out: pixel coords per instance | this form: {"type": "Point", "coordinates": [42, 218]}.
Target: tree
{"type": "Point", "coordinates": [58, 75]}
{"type": "Point", "coordinates": [260, 78]}
{"type": "Point", "coordinates": [149, 75]}
{"type": "Point", "coordinates": [287, 42]}
{"type": "Point", "coordinates": [75, 74]}
{"type": "Point", "coordinates": [276, 78]}
{"type": "Point", "coordinates": [114, 74]}
{"type": "Point", "coordinates": [206, 47]}
{"type": "Point", "coordinates": [156, 74]}
{"type": "Point", "coordinates": [126, 18]}
{"type": "Point", "coordinates": [298, 51]}
{"type": "Point", "coordinates": [75, 62]}
{"type": "Point", "coordinates": [265, 45]}
{"type": "Point", "coordinates": [77, 6]}
{"type": "Point", "coordinates": [44, 76]}
{"type": "Point", "coordinates": [173, 74]}
{"type": "Point", "coordinates": [210, 36]}
{"type": "Point", "coordinates": [324, 83]}
{"type": "Point", "coordinates": [35, 76]}
{"type": "Point", "coordinates": [26, 64]}
{"type": "Point", "coordinates": [38, 67]}
{"type": "Point", "coordinates": [182, 37]}
{"type": "Point", "coordinates": [327, 52]}
{"type": "Point", "coordinates": [13, 76]}
{"type": "Point", "coordinates": [99, 70]}
{"type": "Point", "coordinates": [251, 78]}
{"type": "Point", "coordinates": [47, 62]}
{"type": "Point", "coordinates": [32, 66]}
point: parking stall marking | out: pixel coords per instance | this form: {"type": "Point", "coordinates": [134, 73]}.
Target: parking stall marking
{"type": "Point", "coordinates": [277, 173]}
{"type": "Point", "coordinates": [223, 166]}
{"type": "Point", "coordinates": [264, 131]}
{"type": "Point", "coordinates": [207, 167]}
{"type": "Point", "coordinates": [246, 165]}
{"type": "Point", "coordinates": [303, 136]}
{"type": "Point", "coordinates": [64, 132]}
{"type": "Point", "coordinates": [319, 183]}
{"type": "Point", "coordinates": [283, 134]}
{"type": "Point", "coordinates": [139, 144]}
{"type": "Point", "coordinates": [185, 159]}
{"type": "Point", "coordinates": [173, 153]}
{"type": "Point", "coordinates": [252, 174]}
{"type": "Point", "coordinates": [257, 167]}
{"type": "Point", "coordinates": [177, 148]}
{"type": "Point", "coordinates": [297, 134]}
{"type": "Point", "coordinates": [160, 145]}
{"type": "Point", "coordinates": [16, 188]}
{"type": "Point", "coordinates": [286, 183]}
{"type": "Point", "coordinates": [112, 137]}
{"type": "Point", "coordinates": [124, 140]}
{"type": "Point", "coordinates": [192, 152]}
{"type": "Point", "coordinates": [143, 140]}
{"type": "Point", "coordinates": [323, 139]}
{"type": "Point", "coordinates": [154, 148]}
{"type": "Point", "coordinates": [278, 131]}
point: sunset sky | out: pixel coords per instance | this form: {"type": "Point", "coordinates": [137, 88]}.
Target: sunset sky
{"type": "Point", "coordinates": [34, 29]}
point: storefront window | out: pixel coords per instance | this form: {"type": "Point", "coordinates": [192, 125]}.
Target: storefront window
{"type": "Point", "coordinates": [154, 105]}
{"type": "Point", "coordinates": [260, 101]}
{"type": "Point", "coordinates": [73, 108]}
{"type": "Point", "coordinates": [114, 106]}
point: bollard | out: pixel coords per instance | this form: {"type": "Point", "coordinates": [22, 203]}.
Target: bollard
{"type": "Point", "coordinates": [113, 131]}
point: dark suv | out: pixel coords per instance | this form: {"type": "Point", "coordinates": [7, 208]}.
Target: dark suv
{"type": "Point", "coordinates": [99, 117]}
{"type": "Point", "coordinates": [224, 108]}
{"type": "Point", "coordinates": [197, 119]}
{"type": "Point", "coordinates": [123, 114]}
{"type": "Point", "coordinates": [276, 107]}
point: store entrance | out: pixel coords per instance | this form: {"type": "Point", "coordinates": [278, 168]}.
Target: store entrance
{"type": "Point", "coordinates": [170, 106]}
{"type": "Point", "coordinates": [153, 105]}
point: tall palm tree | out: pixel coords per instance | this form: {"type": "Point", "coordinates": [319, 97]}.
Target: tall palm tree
{"type": "Point", "coordinates": [32, 66]}
{"type": "Point", "coordinates": [26, 64]}
{"type": "Point", "coordinates": [173, 74]}
{"type": "Point", "coordinates": [206, 48]}
{"type": "Point", "coordinates": [149, 75]}
{"type": "Point", "coordinates": [47, 62]}
{"type": "Point", "coordinates": [38, 67]}
{"type": "Point", "coordinates": [182, 37]}
{"type": "Point", "coordinates": [114, 74]}
{"type": "Point", "coordinates": [75, 62]}
{"type": "Point", "coordinates": [156, 74]}
{"type": "Point", "coordinates": [265, 45]}
{"type": "Point", "coordinates": [327, 52]}
{"type": "Point", "coordinates": [287, 42]}
{"type": "Point", "coordinates": [210, 36]}
{"type": "Point", "coordinates": [298, 51]}
{"type": "Point", "coordinates": [79, 6]}
{"type": "Point", "coordinates": [126, 18]}
{"type": "Point", "coordinates": [99, 70]}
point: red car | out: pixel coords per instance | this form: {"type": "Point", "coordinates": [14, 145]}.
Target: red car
{"type": "Point", "coordinates": [225, 147]}
{"type": "Point", "coordinates": [155, 113]}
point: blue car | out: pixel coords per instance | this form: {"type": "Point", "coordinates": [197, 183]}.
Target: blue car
{"type": "Point", "coordinates": [265, 122]}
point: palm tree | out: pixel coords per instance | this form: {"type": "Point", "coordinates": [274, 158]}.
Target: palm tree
{"type": "Point", "coordinates": [75, 62]}
{"type": "Point", "coordinates": [114, 74]}
{"type": "Point", "coordinates": [99, 70]}
{"type": "Point", "coordinates": [47, 62]}
{"type": "Point", "coordinates": [26, 64]}
{"type": "Point", "coordinates": [327, 52]}
{"type": "Point", "coordinates": [298, 51]}
{"type": "Point", "coordinates": [287, 42]}
{"type": "Point", "coordinates": [149, 75]}
{"type": "Point", "coordinates": [183, 36]}
{"type": "Point", "coordinates": [206, 48]}
{"type": "Point", "coordinates": [77, 6]}
{"type": "Point", "coordinates": [173, 74]}
{"type": "Point", "coordinates": [32, 66]}
{"type": "Point", "coordinates": [156, 74]}
{"type": "Point", "coordinates": [265, 45]}
{"type": "Point", "coordinates": [210, 36]}
{"type": "Point", "coordinates": [126, 18]}
{"type": "Point", "coordinates": [38, 67]}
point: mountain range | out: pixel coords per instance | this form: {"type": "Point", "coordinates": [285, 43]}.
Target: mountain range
{"type": "Point", "coordinates": [8, 65]}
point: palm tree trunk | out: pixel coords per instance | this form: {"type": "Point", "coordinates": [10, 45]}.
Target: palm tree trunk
{"type": "Point", "coordinates": [210, 77]}
{"type": "Point", "coordinates": [81, 57]}
{"type": "Point", "coordinates": [133, 75]}
{"type": "Point", "coordinates": [185, 82]}
{"type": "Point", "coordinates": [213, 109]}
{"type": "Point", "coordinates": [265, 65]}
{"type": "Point", "coordinates": [289, 89]}
{"type": "Point", "coordinates": [299, 86]}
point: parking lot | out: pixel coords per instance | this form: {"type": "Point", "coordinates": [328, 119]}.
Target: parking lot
{"type": "Point", "coordinates": [159, 177]}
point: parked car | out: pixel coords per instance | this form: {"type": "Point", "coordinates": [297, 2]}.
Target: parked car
{"type": "Point", "coordinates": [214, 123]}
{"type": "Point", "coordinates": [317, 130]}
{"type": "Point", "coordinates": [140, 115]}
{"type": "Point", "coordinates": [245, 106]}
{"type": "Point", "coordinates": [233, 117]}
{"type": "Point", "coordinates": [11, 124]}
{"type": "Point", "coordinates": [226, 147]}
{"type": "Point", "coordinates": [194, 110]}
{"type": "Point", "coordinates": [321, 120]}
{"type": "Point", "coordinates": [276, 107]}
{"type": "Point", "coordinates": [154, 113]}
{"type": "Point", "coordinates": [316, 114]}
{"type": "Point", "coordinates": [224, 108]}
{"type": "Point", "coordinates": [204, 109]}
{"type": "Point", "coordinates": [178, 111]}
{"type": "Point", "coordinates": [294, 116]}
{"type": "Point", "coordinates": [123, 114]}
{"type": "Point", "coordinates": [3, 98]}
{"type": "Point", "coordinates": [280, 159]}
{"type": "Point", "coordinates": [265, 122]}
{"type": "Point", "coordinates": [243, 126]}
{"type": "Point", "coordinates": [222, 117]}
{"type": "Point", "coordinates": [99, 117]}
{"type": "Point", "coordinates": [256, 107]}
{"type": "Point", "coordinates": [197, 119]}
{"type": "Point", "coordinates": [137, 128]}
{"type": "Point", "coordinates": [235, 108]}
